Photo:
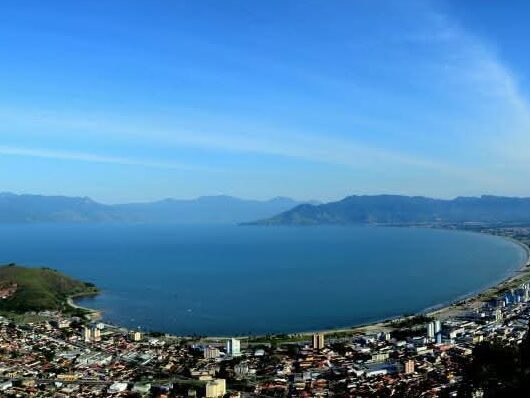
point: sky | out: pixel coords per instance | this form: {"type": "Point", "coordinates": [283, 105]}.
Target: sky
{"type": "Point", "coordinates": [142, 100]}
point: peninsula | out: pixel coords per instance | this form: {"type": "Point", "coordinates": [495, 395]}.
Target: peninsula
{"type": "Point", "coordinates": [24, 289]}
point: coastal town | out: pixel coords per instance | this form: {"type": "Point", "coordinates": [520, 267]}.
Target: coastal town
{"type": "Point", "coordinates": [264, 199]}
{"type": "Point", "coordinates": [55, 354]}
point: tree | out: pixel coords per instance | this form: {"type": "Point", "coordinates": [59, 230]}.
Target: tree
{"type": "Point", "coordinates": [499, 370]}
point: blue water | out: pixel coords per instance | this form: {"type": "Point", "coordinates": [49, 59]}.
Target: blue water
{"type": "Point", "coordinates": [227, 280]}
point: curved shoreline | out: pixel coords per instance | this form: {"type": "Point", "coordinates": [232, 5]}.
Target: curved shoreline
{"type": "Point", "coordinates": [92, 313]}
{"type": "Point", "coordinates": [441, 310]}
{"type": "Point", "coordinates": [493, 286]}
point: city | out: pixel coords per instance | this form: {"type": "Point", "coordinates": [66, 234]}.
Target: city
{"type": "Point", "coordinates": [62, 356]}
{"type": "Point", "coordinates": [264, 199]}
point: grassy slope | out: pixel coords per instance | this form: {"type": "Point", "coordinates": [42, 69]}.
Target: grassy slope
{"type": "Point", "coordinates": [39, 288]}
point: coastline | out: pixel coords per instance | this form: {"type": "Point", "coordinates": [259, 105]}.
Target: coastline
{"type": "Point", "coordinates": [467, 302]}
{"type": "Point", "coordinates": [90, 313]}
{"type": "Point", "coordinates": [441, 311]}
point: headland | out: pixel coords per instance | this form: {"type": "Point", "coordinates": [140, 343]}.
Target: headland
{"type": "Point", "coordinates": [25, 289]}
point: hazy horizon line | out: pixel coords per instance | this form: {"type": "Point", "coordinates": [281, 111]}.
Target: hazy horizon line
{"type": "Point", "coordinates": [268, 199]}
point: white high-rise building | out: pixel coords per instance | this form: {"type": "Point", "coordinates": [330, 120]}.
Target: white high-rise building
{"type": "Point", "coordinates": [431, 330]}
{"type": "Point", "coordinates": [87, 334]}
{"type": "Point", "coordinates": [434, 328]}
{"type": "Point", "coordinates": [498, 315]}
{"type": "Point", "coordinates": [233, 347]}
{"type": "Point", "coordinates": [437, 326]}
{"type": "Point", "coordinates": [136, 336]}
{"type": "Point", "coordinates": [96, 334]}
{"type": "Point", "coordinates": [318, 341]}
{"type": "Point", "coordinates": [91, 334]}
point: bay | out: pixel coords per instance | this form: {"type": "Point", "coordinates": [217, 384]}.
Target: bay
{"type": "Point", "coordinates": [229, 280]}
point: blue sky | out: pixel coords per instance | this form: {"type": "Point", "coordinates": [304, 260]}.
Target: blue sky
{"type": "Point", "coordinates": [142, 100]}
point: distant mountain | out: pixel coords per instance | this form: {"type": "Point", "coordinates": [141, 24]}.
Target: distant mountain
{"type": "Point", "coordinates": [36, 208]}
{"type": "Point", "coordinates": [204, 210]}
{"type": "Point", "coordinates": [395, 209]}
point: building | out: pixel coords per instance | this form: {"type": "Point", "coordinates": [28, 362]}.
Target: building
{"type": "Point", "coordinates": [6, 385]}
{"type": "Point", "coordinates": [211, 352]}
{"type": "Point", "coordinates": [241, 369]}
{"type": "Point", "coordinates": [478, 338]}
{"type": "Point", "coordinates": [117, 387]}
{"type": "Point", "coordinates": [94, 358]}
{"type": "Point", "coordinates": [408, 366]}
{"type": "Point", "coordinates": [63, 323]}
{"type": "Point", "coordinates": [437, 326]}
{"type": "Point", "coordinates": [87, 333]}
{"type": "Point", "coordinates": [142, 389]}
{"type": "Point", "coordinates": [438, 338]}
{"type": "Point", "coordinates": [380, 356]}
{"type": "Point", "coordinates": [136, 336]}
{"type": "Point", "coordinates": [430, 330]}
{"type": "Point", "coordinates": [233, 347]}
{"type": "Point", "coordinates": [216, 388]}
{"type": "Point", "coordinates": [67, 377]}
{"type": "Point", "coordinates": [96, 334]}
{"type": "Point", "coordinates": [433, 328]}
{"type": "Point", "coordinates": [318, 341]}
{"type": "Point", "coordinates": [498, 315]}
{"type": "Point", "coordinates": [91, 334]}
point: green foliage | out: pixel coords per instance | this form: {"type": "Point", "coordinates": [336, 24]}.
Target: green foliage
{"type": "Point", "coordinates": [39, 288]}
{"type": "Point", "coordinates": [499, 370]}
{"type": "Point", "coordinates": [410, 321]}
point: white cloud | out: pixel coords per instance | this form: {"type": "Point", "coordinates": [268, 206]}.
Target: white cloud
{"type": "Point", "coordinates": [475, 77]}
{"type": "Point", "coordinates": [308, 147]}
{"type": "Point", "coordinates": [92, 157]}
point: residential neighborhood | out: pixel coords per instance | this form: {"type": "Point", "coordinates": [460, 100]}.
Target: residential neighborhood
{"type": "Point", "coordinates": [61, 356]}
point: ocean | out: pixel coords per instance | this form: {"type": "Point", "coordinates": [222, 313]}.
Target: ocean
{"type": "Point", "coordinates": [230, 280]}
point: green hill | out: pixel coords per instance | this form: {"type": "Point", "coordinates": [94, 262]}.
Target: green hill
{"type": "Point", "coordinates": [37, 289]}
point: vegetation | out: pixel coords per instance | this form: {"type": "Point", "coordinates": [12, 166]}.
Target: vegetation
{"type": "Point", "coordinates": [39, 289]}
{"type": "Point", "coordinates": [409, 321]}
{"type": "Point", "coordinates": [499, 370]}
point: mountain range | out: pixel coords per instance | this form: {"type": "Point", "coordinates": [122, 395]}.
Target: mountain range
{"type": "Point", "coordinates": [203, 210]}
{"type": "Point", "coordinates": [396, 209]}
{"type": "Point", "coordinates": [366, 209]}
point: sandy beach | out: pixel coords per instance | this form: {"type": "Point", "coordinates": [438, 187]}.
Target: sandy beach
{"type": "Point", "coordinates": [90, 312]}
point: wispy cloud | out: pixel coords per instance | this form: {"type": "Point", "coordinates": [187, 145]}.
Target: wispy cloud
{"type": "Point", "coordinates": [482, 80]}
{"type": "Point", "coordinates": [93, 158]}
{"type": "Point", "coordinates": [507, 111]}
{"type": "Point", "coordinates": [249, 139]}
{"type": "Point", "coordinates": [470, 71]}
